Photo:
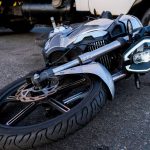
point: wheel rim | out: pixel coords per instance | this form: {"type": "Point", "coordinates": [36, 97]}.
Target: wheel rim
{"type": "Point", "coordinates": [14, 113]}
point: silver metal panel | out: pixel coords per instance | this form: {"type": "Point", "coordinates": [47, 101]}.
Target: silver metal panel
{"type": "Point", "coordinates": [93, 33]}
{"type": "Point", "coordinates": [96, 69]}
{"type": "Point", "coordinates": [136, 23]}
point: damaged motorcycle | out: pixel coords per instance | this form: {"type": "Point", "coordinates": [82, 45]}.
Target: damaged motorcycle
{"type": "Point", "coordinates": [82, 64]}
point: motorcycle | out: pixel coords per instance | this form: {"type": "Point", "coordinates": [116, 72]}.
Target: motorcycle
{"type": "Point", "coordinates": [82, 64]}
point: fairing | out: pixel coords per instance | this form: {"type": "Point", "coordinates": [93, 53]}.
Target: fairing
{"type": "Point", "coordinates": [96, 28]}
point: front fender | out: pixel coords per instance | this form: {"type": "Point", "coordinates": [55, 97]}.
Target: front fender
{"type": "Point", "coordinates": [96, 69]}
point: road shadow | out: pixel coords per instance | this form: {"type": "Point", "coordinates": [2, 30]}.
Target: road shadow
{"type": "Point", "coordinates": [36, 30]}
{"type": "Point", "coordinates": [5, 31]}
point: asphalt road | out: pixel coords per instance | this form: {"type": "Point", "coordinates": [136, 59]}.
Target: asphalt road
{"type": "Point", "coordinates": [123, 124]}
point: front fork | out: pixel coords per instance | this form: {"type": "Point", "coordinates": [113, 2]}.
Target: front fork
{"type": "Point", "coordinates": [84, 64]}
{"type": "Point", "coordinates": [84, 58]}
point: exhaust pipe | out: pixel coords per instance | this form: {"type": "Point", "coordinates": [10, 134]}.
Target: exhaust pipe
{"type": "Point", "coordinates": [44, 8]}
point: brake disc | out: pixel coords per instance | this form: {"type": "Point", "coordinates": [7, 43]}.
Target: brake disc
{"type": "Point", "coordinates": [30, 94]}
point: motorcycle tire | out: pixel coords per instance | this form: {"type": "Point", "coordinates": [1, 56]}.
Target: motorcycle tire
{"type": "Point", "coordinates": [28, 137]}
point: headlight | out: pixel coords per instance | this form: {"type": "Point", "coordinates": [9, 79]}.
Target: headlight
{"type": "Point", "coordinates": [137, 57]}
{"type": "Point", "coordinates": [141, 57]}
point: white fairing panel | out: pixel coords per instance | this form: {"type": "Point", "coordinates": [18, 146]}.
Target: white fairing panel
{"type": "Point", "coordinates": [82, 5]}
{"type": "Point", "coordinates": [116, 7]}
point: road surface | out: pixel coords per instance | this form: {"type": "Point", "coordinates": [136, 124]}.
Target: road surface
{"type": "Point", "coordinates": [123, 124]}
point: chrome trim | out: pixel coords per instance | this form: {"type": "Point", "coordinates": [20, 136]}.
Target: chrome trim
{"type": "Point", "coordinates": [126, 56]}
{"type": "Point", "coordinates": [66, 66]}
{"type": "Point", "coordinates": [118, 76]}
{"type": "Point", "coordinates": [93, 33]}
{"type": "Point", "coordinates": [74, 98]}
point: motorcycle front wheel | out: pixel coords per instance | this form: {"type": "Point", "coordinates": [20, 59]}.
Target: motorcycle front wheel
{"type": "Point", "coordinates": [31, 124]}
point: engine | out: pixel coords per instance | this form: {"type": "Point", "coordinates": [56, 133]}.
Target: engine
{"type": "Point", "coordinates": [111, 60]}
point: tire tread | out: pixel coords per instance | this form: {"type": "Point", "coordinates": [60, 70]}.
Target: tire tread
{"type": "Point", "coordinates": [58, 130]}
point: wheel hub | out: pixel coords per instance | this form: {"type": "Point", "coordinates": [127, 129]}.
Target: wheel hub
{"type": "Point", "coordinates": [30, 94]}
